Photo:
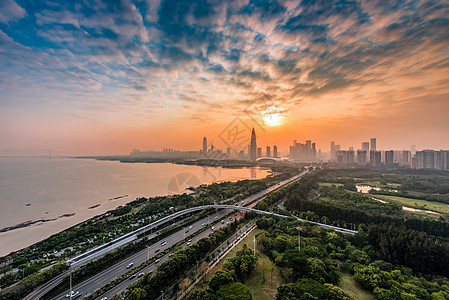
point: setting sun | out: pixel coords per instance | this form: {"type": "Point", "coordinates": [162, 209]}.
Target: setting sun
{"type": "Point", "coordinates": [273, 117]}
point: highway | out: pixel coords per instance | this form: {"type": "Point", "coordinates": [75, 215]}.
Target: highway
{"type": "Point", "coordinates": [119, 269]}
{"type": "Point", "coordinates": [124, 285]}
{"type": "Point", "coordinates": [97, 281]}
{"type": "Point", "coordinates": [89, 286]}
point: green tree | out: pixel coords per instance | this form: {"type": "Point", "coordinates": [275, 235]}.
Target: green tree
{"type": "Point", "coordinates": [201, 294]}
{"type": "Point", "coordinates": [220, 277]}
{"type": "Point", "coordinates": [287, 292]}
{"type": "Point", "coordinates": [137, 294]}
{"type": "Point", "coordinates": [234, 291]}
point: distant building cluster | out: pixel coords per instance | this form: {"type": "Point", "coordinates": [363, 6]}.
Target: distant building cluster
{"type": "Point", "coordinates": [303, 152]}
{"type": "Point", "coordinates": [369, 155]}
{"type": "Point", "coordinates": [430, 159]}
{"type": "Point", "coordinates": [165, 153]}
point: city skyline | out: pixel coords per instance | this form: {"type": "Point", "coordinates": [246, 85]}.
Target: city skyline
{"type": "Point", "coordinates": [103, 78]}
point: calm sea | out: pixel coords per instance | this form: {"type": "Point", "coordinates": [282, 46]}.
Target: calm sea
{"type": "Point", "coordinates": [33, 189]}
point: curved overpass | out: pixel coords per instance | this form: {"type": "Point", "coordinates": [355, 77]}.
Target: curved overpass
{"type": "Point", "coordinates": [129, 237]}
{"type": "Point", "coordinates": [102, 250]}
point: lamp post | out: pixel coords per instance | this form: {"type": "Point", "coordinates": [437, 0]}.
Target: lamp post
{"type": "Point", "coordinates": [70, 270]}
{"type": "Point", "coordinates": [299, 238]}
{"type": "Point", "coordinates": [254, 246]}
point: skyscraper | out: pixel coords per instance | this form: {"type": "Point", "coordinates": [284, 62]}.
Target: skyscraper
{"type": "Point", "coordinates": [389, 157]}
{"type": "Point", "coordinates": [268, 151]}
{"type": "Point", "coordinates": [253, 146]}
{"type": "Point", "coordinates": [259, 152]}
{"type": "Point", "coordinates": [373, 144]}
{"type": "Point", "coordinates": [204, 145]}
{"type": "Point", "coordinates": [361, 157]}
{"type": "Point", "coordinates": [365, 147]}
{"type": "Point", "coordinates": [275, 151]}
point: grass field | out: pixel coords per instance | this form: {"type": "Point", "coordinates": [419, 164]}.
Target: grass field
{"type": "Point", "coordinates": [265, 278]}
{"type": "Point", "coordinates": [330, 184]}
{"type": "Point", "coordinates": [415, 203]}
{"type": "Point", "coordinates": [348, 284]}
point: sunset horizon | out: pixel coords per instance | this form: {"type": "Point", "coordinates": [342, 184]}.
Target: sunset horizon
{"type": "Point", "coordinates": [101, 79]}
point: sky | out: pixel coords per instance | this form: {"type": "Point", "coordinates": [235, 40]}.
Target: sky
{"type": "Point", "coordinates": [104, 77]}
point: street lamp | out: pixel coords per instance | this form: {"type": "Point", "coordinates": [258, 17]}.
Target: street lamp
{"type": "Point", "coordinates": [254, 246]}
{"type": "Point", "coordinates": [299, 238]}
{"type": "Point", "coordinates": [70, 270]}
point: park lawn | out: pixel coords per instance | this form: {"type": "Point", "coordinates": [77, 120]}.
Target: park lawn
{"type": "Point", "coordinates": [394, 185]}
{"type": "Point", "coordinates": [330, 184]}
{"type": "Point", "coordinates": [348, 284]}
{"type": "Point", "coordinates": [370, 183]}
{"type": "Point", "coordinates": [265, 278]}
{"type": "Point", "coordinates": [415, 203]}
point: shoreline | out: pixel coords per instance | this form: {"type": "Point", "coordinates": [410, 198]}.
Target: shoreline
{"type": "Point", "coordinates": [30, 222]}
{"type": "Point", "coordinates": [98, 210]}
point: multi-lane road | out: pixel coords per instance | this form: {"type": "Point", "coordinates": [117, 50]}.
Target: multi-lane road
{"type": "Point", "coordinates": [103, 278]}
{"type": "Point", "coordinates": [97, 281]}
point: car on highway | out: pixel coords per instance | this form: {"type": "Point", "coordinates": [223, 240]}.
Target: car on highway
{"type": "Point", "coordinates": [74, 294]}
{"type": "Point", "coordinates": [213, 228]}
{"type": "Point", "coordinates": [204, 224]}
{"type": "Point", "coordinates": [157, 250]}
{"type": "Point", "coordinates": [130, 265]}
{"type": "Point", "coordinates": [157, 261]}
{"type": "Point", "coordinates": [222, 221]}
{"type": "Point", "coordinates": [171, 254]}
{"type": "Point", "coordinates": [190, 227]}
{"type": "Point", "coordinates": [132, 277]}
{"type": "Point", "coordinates": [141, 274]}
{"type": "Point", "coordinates": [163, 243]}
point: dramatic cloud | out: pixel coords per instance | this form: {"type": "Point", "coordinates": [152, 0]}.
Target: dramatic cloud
{"type": "Point", "coordinates": [202, 61]}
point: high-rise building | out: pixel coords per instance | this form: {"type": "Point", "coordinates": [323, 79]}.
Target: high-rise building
{"type": "Point", "coordinates": [361, 157]}
{"type": "Point", "coordinates": [253, 146]}
{"type": "Point", "coordinates": [365, 147]}
{"type": "Point", "coordinates": [259, 152]}
{"type": "Point", "coordinates": [389, 157]}
{"type": "Point", "coordinates": [430, 159]}
{"type": "Point", "coordinates": [228, 152]}
{"type": "Point", "coordinates": [373, 144]}
{"type": "Point", "coordinates": [204, 145]}
{"type": "Point", "coordinates": [303, 152]}
{"type": "Point", "coordinates": [406, 157]}
{"type": "Point", "coordinates": [345, 157]}
{"type": "Point", "coordinates": [375, 158]}
{"type": "Point", "coordinates": [268, 151]}
{"type": "Point", "coordinates": [333, 150]}
{"type": "Point", "coordinates": [275, 151]}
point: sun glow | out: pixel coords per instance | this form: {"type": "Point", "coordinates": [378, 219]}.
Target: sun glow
{"type": "Point", "coordinates": [272, 117]}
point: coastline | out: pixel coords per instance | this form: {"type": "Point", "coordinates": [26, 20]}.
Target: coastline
{"type": "Point", "coordinates": [24, 226]}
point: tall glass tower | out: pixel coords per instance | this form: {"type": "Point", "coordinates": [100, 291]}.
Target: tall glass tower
{"type": "Point", "coordinates": [253, 146]}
